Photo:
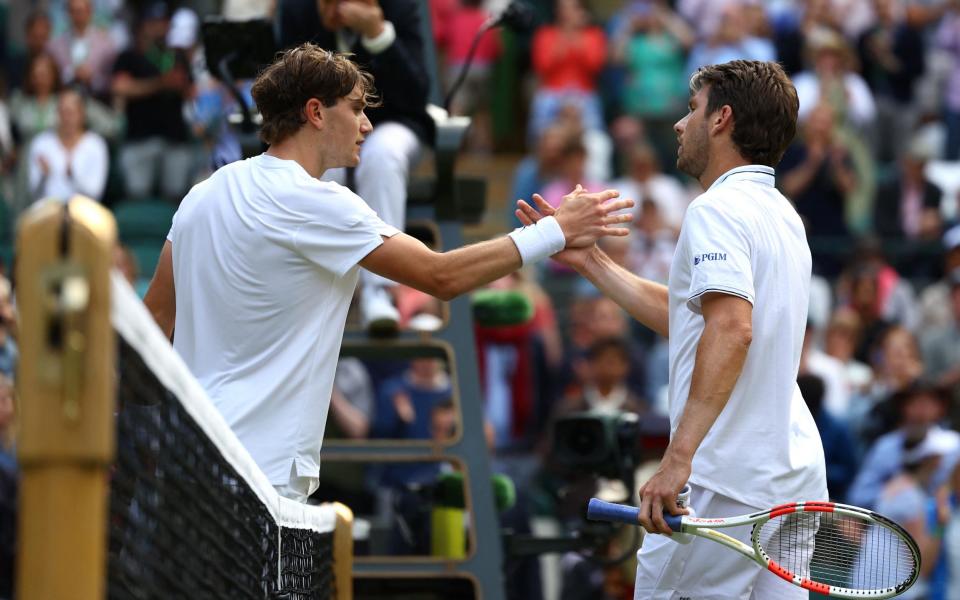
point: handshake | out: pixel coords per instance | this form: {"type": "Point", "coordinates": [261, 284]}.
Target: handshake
{"type": "Point", "coordinates": [571, 230]}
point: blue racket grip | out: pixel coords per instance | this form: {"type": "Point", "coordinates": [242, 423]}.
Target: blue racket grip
{"type": "Point", "coordinates": [599, 510]}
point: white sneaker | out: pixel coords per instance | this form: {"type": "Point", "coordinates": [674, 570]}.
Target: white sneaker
{"type": "Point", "coordinates": [377, 313]}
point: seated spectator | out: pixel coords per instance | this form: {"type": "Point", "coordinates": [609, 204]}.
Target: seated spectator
{"type": "Point", "coordinates": [817, 174]}
{"type": "Point", "coordinates": [8, 345]}
{"type": "Point", "coordinates": [567, 57]}
{"type": "Point", "coordinates": [935, 312]}
{"type": "Point", "coordinates": [895, 301]}
{"type": "Point", "coordinates": [732, 40]}
{"type": "Point", "coordinates": [538, 168]}
{"type": "Point", "coordinates": [604, 388]}
{"type": "Point", "coordinates": [905, 499]}
{"type": "Point", "coordinates": [831, 79]}
{"type": "Point", "coordinates": [37, 27]}
{"type": "Point", "coordinates": [652, 243]}
{"type": "Point", "coordinates": [69, 160]}
{"type": "Point", "coordinates": [897, 366]}
{"type": "Point", "coordinates": [941, 350]}
{"type": "Point", "coordinates": [831, 375]}
{"type": "Point", "coordinates": [572, 166]}
{"type": "Point", "coordinates": [9, 479]}
{"type": "Point", "coordinates": [644, 180]}
{"type": "Point", "coordinates": [841, 339]}
{"type": "Point", "coordinates": [85, 53]}
{"type": "Point", "coordinates": [948, 41]}
{"type": "Point", "coordinates": [908, 204]}
{"type": "Point", "coordinates": [921, 409]}
{"type": "Point", "coordinates": [352, 401]}
{"type": "Point", "coordinates": [404, 404]}
{"type": "Point", "coordinates": [152, 81]}
{"type": "Point", "coordinates": [838, 445]}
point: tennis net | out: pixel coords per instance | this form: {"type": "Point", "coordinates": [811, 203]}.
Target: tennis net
{"type": "Point", "coordinates": [191, 515]}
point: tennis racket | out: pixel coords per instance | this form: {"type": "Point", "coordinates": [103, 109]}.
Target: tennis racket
{"type": "Point", "coordinates": [833, 549]}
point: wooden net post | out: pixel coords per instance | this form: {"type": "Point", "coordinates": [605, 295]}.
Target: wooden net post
{"type": "Point", "coordinates": [65, 383]}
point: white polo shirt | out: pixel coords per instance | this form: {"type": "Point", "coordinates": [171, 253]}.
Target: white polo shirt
{"type": "Point", "coordinates": [743, 237]}
{"type": "Point", "coordinates": [265, 264]}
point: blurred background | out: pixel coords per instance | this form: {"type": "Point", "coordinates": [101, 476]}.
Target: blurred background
{"type": "Point", "coordinates": [114, 99]}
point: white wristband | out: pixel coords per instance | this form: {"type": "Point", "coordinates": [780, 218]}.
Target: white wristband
{"type": "Point", "coordinates": [536, 242]}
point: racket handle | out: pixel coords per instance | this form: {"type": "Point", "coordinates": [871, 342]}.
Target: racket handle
{"type": "Point", "coordinates": [599, 510]}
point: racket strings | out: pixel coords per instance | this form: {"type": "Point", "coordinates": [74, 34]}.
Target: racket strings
{"type": "Point", "coordinates": [838, 550]}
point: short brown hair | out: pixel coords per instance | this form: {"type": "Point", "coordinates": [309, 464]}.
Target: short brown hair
{"type": "Point", "coordinates": [764, 104]}
{"type": "Point", "coordinates": [299, 74]}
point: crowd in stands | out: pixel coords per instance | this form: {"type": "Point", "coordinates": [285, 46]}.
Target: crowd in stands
{"type": "Point", "coordinates": [113, 100]}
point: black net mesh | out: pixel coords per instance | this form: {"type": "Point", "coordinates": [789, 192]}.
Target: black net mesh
{"type": "Point", "coordinates": [183, 523]}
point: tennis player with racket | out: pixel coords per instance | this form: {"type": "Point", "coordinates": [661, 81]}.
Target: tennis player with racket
{"type": "Point", "coordinates": [734, 312]}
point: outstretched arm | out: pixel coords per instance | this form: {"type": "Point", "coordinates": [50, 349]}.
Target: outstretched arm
{"type": "Point", "coordinates": [583, 218]}
{"type": "Point", "coordinates": [645, 300]}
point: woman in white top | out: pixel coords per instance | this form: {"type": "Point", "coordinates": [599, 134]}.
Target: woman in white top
{"type": "Point", "coordinates": [69, 160]}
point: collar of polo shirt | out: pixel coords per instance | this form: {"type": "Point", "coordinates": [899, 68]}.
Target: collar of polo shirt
{"type": "Point", "coordinates": [758, 173]}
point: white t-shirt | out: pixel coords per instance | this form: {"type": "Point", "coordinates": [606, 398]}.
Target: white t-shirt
{"type": "Point", "coordinates": [89, 162]}
{"type": "Point", "coordinates": [265, 264]}
{"type": "Point", "coordinates": [742, 237]}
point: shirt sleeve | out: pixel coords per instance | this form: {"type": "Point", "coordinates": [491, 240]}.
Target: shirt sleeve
{"type": "Point", "coordinates": [719, 250]}
{"type": "Point", "coordinates": [341, 233]}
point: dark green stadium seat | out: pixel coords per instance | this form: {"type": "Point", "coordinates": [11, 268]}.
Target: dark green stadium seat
{"type": "Point", "coordinates": [146, 253]}
{"type": "Point", "coordinates": [144, 219]}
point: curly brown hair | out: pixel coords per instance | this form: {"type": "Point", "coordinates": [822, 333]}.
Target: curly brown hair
{"type": "Point", "coordinates": [764, 104]}
{"type": "Point", "coordinates": [282, 89]}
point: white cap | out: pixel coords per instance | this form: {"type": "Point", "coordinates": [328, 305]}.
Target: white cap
{"type": "Point", "coordinates": [183, 29]}
{"type": "Point", "coordinates": [936, 443]}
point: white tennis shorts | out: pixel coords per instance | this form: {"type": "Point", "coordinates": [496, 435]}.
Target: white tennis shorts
{"type": "Point", "coordinates": [703, 569]}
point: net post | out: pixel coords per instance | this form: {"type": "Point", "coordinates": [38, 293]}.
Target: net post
{"type": "Point", "coordinates": [65, 381]}
{"type": "Point", "coordinates": [343, 552]}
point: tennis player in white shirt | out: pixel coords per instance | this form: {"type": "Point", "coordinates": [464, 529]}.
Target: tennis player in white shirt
{"type": "Point", "coordinates": [263, 257]}
{"type": "Point", "coordinates": [734, 311]}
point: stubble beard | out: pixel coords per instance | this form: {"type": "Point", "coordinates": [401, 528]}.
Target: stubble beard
{"type": "Point", "coordinates": [694, 156]}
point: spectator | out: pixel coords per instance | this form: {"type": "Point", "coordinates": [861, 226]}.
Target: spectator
{"type": "Point", "coordinates": [921, 409]}
{"type": "Point", "coordinates": [9, 476]}
{"type": "Point", "coordinates": [535, 170]}
{"type": "Point", "coordinates": [404, 403]}
{"type": "Point", "coordinates": [941, 347]}
{"type": "Point", "coordinates": [85, 53]}
{"type": "Point", "coordinates": [895, 299]}
{"type": "Point", "coordinates": [37, 29]}
{"type": "Point", "coordinates": [8, 345]}
{"type": "Point", "coordinates": [152, 81]}
{"type": "Point", "coordinates": [125, 262]}
{"type": "Point", "coordinates": [905, 498]}
{"type": "Point", "coordinates": [934, 303]}
{"type": "Point", "coordinates": [908, 205]}
{"type": "Point", "coordinates": [651, 244]}
{"type": "Point", "coordinates": [385, 37]}
{"type": "Point", "coordinates": [461, 27]}
{"type": "Point", "coordinates": [834, 397]}
{"type": "Point", "coordinates": [892, 58]}
{"type": "Point", "coordinates": [830, 78]}
{"type": "Point", "coordinates": [841, 340]}
{"type": "Point", "coordinates": [567, 57]}
{"type": "Point", "coordinates": [732, 40]}
{"type": "Point", "coordinates": [34, 107]}
{"type": "Point", "coordinates": [948, 40]}
{"type": "Point", "coordinates": [605, 389]}
{"type": "Point", "coordinates": [352, 400]}
{"type": "Point", "coordinates": [572, 170]}
{"type": "Point", "coordinates": [897, 366]}
{"type": "Point", "coordinates": [838, 446]}
{"type": "Point", "coordinates": [651, 46]}
{"type": "Point", "coordinates": [69, 160]}
{"type": "Point", "coordinates": [817, 173]}
{"type": "Point", "coordinates": [644, 181]}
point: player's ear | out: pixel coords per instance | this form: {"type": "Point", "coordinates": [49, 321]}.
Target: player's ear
{"type": "Point", "coordinates": [722, 118]}
{"type": "Point", "coordinates": [313, 112]}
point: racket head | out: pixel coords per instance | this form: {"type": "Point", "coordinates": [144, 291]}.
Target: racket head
{"type": "Point", "coordinates": [838, 550]}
